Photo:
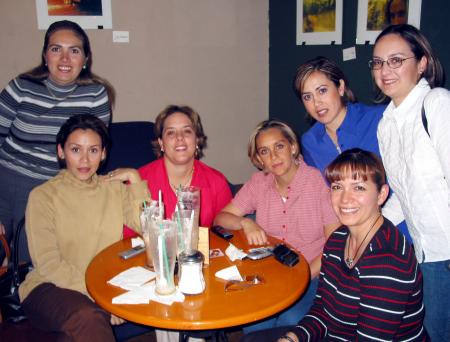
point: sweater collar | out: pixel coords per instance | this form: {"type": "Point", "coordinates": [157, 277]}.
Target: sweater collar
{"type": "Point", "coordinates": [55, 87]}
{"type": "Point", "coordinates": [78, 184]}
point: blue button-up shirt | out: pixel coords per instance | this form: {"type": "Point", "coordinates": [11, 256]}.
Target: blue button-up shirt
{"type": "Point", "coordinates": [359, 129]}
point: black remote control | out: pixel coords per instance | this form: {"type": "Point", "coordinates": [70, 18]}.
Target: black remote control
{"type": "Point", "coordinates": [222, 232]}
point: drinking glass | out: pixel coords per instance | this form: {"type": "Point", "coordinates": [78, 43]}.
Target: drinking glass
{"type": "Point", "coordinates": [163, 250]}
{"type": "Point", "coordinates": [186, 216]}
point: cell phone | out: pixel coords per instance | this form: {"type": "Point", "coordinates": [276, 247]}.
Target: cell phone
{"type": "Point", "coordinates": [222, 232]}
{"type": "Point", "coordinates": [132, 252]}
{"type": "Point", "coordinates": [285, 255]}
{"type": "Point", "coordinates": [259, 253]}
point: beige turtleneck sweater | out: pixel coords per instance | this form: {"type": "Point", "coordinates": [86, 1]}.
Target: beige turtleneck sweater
{"type": "Point", "coordinates": [69, 221]}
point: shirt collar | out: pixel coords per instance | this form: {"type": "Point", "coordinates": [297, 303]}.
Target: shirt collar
{"type": "Point", "coordinates": [296, 184]}
{"type": "Point", "coordinates": [410, 102]}
{"type": "Point", "coordinates": [348, 125]}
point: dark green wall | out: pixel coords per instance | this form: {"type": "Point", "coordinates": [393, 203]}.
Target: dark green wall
{"type": "Point", "coordinates": [285, 56]}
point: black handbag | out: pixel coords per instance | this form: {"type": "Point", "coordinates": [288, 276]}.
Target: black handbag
{"type": "Point", "coordinates": [10, 306]}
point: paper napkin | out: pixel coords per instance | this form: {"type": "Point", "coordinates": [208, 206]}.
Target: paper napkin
{"type": "Point", "coordinates": [137, 241]}
{"type": "Point", "coordinates": [229, 273]}
{"type": "Point", "coordinates": [234, 253]}
{"type": "Point", "coordinates": [145, 293]}
{"type": "Point", "coordinates": [132, 278]}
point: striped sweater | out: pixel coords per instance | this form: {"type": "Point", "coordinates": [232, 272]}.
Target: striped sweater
{"type": "Point", "coordinates": [380, 299]}
{"type": "Point", "coordinates": [31, 115]}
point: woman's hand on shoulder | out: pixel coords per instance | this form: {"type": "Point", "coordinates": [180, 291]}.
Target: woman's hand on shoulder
{"type": "Point", "coordinates": [253, 231]}
{"type": "Point", "coordinates": [124, 175]}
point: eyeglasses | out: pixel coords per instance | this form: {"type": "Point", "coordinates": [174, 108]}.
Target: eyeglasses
{"type": "Point", "coordinates": [392, 62]}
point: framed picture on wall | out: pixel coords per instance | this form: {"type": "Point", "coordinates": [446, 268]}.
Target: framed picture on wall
{"type": "Point", "coordinates": [375, 15]}
{"type": "Point", "coordinates": [319, 22]}
{"type": "Point", "coordinates": [89, 14]}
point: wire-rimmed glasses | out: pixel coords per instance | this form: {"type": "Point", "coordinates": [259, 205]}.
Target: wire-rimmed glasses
{"type": "Point", "coordinates": [392, 62]}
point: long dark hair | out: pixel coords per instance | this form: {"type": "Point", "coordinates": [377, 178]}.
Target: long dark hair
{"type": "Point", "coordinates": [420, 46]}
{"type": "Point", "coordinates": [86, 76]}
{"type": "Point", "coordinates": [84, 122]}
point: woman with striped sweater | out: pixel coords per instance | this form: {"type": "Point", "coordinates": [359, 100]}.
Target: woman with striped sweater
{"type": "Point", "coordinates": [370, 285]}
{"type": "Point", "coordinates": [33, 107]}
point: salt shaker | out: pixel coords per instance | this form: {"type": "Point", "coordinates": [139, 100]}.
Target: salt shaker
{"type": "Point", "coordinates": [191, 279]}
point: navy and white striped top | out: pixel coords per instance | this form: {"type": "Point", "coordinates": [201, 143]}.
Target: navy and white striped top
{"type": "Point", "coordinates": [31, 115]}
{"type": "Point", "coordinates": [380, 299]}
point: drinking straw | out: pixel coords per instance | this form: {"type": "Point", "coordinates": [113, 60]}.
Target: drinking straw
{"type": "Point", "coordinates": [161, 252]}
{"type": "Point", "coordinates": [190, 227]}
{"type": "Point", "coordinates": [178, 212]}
{"type": "Point", "coordinates": [161, 242]}
{"type": "Point", "coordinates": [162, 249]}
{"type": "Point", "coordinates": [160, 204]}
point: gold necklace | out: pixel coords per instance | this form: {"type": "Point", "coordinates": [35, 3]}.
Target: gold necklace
{"type": "Point", "coordinates": [188, 179]}
{"type": "Point", "coordinates": [349, 261]}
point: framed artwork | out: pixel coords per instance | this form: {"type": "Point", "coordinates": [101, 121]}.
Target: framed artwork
{"type": "Point", "coordinates": [375, 15]}
{"type": "Point", "coordinates": [89, 14]}
{"type": "Point", "coordinates": [319, 22]}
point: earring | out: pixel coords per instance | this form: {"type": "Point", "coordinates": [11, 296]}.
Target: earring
{"type": "Point", "coordinates": [84, 66]}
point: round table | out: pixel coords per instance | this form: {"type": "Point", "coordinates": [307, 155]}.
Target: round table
{"type": "Point", "coordinates": [214, 308]}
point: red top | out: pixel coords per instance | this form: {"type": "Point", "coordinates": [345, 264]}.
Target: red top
{"type": "Point", "coordinates": [215, 192]}
{"type": "Point", "coordinates": [300, 218]}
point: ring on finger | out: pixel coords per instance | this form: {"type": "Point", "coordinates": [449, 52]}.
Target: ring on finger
{"type": "Point", "coordinates": [111, 174]}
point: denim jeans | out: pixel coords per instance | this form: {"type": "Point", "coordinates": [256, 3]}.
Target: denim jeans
{"type": "Point", "coordinates": [290, 316]}
{"type": "Point", "coordinates": [436, 295]}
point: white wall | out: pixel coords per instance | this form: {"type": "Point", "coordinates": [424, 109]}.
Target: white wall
{"type": "Point", "coordinates": [209, 54]}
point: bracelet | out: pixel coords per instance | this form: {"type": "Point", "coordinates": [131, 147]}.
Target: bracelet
{"type": "Point", "coordinates": [287, 337]}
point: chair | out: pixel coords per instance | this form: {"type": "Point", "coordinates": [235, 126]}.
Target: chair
{"type": "Point", "coordinates": [131, 145]}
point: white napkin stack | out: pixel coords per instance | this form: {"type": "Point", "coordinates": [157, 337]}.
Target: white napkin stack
{"type": "Point", "coordinates": [132, 278]}
{"type": "Point", "coordinates": [136, 280]}
{"type": "Point", "coordinates": [145, 293]}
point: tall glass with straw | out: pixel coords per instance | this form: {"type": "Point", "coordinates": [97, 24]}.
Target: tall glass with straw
{"type": "Point", "coordinates": [186, 215]}
{"type": "Point", "coordinates": [162, 243]}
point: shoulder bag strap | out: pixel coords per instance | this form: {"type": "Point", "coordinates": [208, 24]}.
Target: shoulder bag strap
{"type": "Point", "coordinates": [424, 119]}
{"type": "Point", "coordinates": [15, 251]}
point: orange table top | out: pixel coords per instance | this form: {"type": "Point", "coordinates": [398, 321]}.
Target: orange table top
{"type": "Point", "coordinates": [214, 308]}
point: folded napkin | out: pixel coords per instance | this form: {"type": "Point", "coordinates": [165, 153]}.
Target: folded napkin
{"type": "Point", "coordinates": [137, 241]}
{"type": "Point", "coordinates": [229, 273]}
{"type": "Point", "coordinates": [234, 253]}
{"type": "Point", "coordinates": [145, 293]}
{"type": "Point", "coordinates": [132, 278]}
{"type": "Point", "coordinates": [140, 295]}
